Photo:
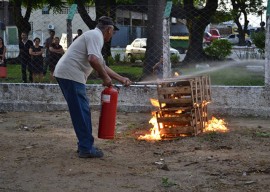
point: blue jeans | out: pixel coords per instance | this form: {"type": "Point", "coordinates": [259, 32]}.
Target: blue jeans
{"type": "Point", "coordinates": [79, 109]}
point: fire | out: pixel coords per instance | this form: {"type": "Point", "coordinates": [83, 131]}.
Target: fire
{"type": "Point", "coordinates": [155, 103]}
{"type": "Point", "coordinates": [179, 111]}
{"type": "Point", "coordinates": [161, 128]}
{"type": "Point", "coordinates": [216, 125]}
{"type": "Point", "coordinates": [154, 132]}
{"type": "Point", "coordinates": [176, 74]}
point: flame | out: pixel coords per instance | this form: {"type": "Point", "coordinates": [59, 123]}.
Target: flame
{"type": "Point", "coordinates": [155, 103]}
{"type": "Point", "coordinates": [154, 132]}
{"type": "Point", "coordinates": [204, 103]}
{"type": "Point", "coordinates": [176, 74]}
{"type": "Point", "coordinates": [179, 111]}
{"type": "Point", "coordinates": [216, 125]}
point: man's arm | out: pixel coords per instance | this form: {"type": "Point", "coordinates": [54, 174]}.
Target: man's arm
{"type": "Point", "coordinates": [124, 80]}
{"type": "Point", "coordinates": [99, 67]}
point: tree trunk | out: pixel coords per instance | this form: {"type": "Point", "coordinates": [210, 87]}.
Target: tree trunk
{"type": "Point", "coordinates": [197, 20]}
{"type": "Point", "coordinates": [21, 22]}
{"type": "Point", "coordinates": [241, 31]}
{"type": "Point", "coordinates": [154, 35]}
{"type": "Point", "coordinates": [195, 51]}
{"type": "Point", "coordinates": [91, 24]}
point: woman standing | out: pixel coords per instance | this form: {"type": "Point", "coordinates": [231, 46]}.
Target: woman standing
{"type": "Point", "coordinates": [2, 53]}
{"type": "Point", "coordinates": [36, 65]}
{"type": "Point", "coordinates": [56, 52]}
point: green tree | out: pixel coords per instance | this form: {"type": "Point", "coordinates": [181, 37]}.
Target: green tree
{"type": "Point", "coordinates": [22, 21]}
{"type": "Point", "coordinates": [258, 39]}
{"type": "Point", "coordinates": [240, 7]}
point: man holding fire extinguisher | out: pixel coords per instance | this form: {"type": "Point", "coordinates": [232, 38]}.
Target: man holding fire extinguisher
{"type": "Point", "coordinates": [71, 73]}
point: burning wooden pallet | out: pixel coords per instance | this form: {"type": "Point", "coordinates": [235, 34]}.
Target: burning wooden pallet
{"type": "Point", "coordinates": [183, 106]}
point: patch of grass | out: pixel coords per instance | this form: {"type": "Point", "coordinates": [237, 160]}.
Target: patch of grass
{"type": "Point", "coordinates": [262, 134]}
{"type": "Point", "coordinates": [230, 76]}
{"type": "Point", "coordinates": [14, 74]}
{"type": "Point", "coordinates": [237, 76]}
{"type": "Point", "coordinates": [167, 183]}
{"type": "Point", "coordinates": [134, 73]}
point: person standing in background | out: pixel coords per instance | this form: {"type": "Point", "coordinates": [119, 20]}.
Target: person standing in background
{"type": "Point", "coordinates": [79, 33]}
{"type": "Point", "coordinates": [3, 50]}
{"type": "Point", "coordinates": [56, 52]}
{"type": "Point", "coordinates": [36, 65]}
{"type": "Point", "coordinates": [47, 44]}
{"type": "Point", "coordinates": [158, 68]}
{"type": "Point", "coordinates": [24, 57]}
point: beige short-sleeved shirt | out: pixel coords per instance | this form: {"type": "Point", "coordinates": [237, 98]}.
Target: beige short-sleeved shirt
{"type": "Point", "coordinates": [74, 64]}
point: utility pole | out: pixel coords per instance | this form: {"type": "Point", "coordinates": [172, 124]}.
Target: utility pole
{"type": "Point", "coordinates": [70, 16]}
{"type": "Point", "coordinates": [166, 41]}
{"type": "Point", "coordinates": [267, 48]}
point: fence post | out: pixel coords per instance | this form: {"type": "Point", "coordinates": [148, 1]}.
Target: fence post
{"type": "Point", "coordinates": [69, 32]}
{"type": "Point", "coordinates": [267, 48]}
{"type": "Point", "coordinates": [166, 41]}
{"type": "Point", "coordinates": [70, 16]}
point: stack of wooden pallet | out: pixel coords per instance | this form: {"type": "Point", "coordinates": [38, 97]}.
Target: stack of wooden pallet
{"type": "Point", "coordinates": [183, 106]}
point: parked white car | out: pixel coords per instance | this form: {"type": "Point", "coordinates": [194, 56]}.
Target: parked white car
{"type": "Point", "coordinates": [138, 48]}
{"type": "Point", "coordinates": [234, 39]}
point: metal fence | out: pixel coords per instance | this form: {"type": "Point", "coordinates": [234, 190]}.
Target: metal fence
{"type": "Point", "coordinates": [134, 23]}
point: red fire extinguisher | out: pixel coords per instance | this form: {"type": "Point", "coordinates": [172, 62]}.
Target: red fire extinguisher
{"type": "Point", "coordinates": [108, 111]}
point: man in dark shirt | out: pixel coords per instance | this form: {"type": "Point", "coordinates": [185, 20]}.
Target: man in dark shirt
{"type": "Point", "coordinates": [47, 45]}
{"type": "Point", "coordinates": [79, 33]}
{"type": "Point", "coordinates": [24, 57]}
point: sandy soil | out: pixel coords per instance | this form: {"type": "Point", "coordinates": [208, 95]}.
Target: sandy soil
{"type": "Point", "coordinates": [38, 153]}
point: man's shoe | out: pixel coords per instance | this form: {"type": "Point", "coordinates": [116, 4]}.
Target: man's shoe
{"type": "Point", "coordinates": [94, 153]}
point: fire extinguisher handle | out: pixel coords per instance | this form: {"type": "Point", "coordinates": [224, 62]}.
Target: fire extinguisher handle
{"type": "Point", "coordinates": [117, 87]}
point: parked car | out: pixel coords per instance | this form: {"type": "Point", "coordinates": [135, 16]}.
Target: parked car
{"type": "Point", "coordinates": [234, 39]}
{"type": "Point", "coordinates": [138, 47]}
{"type": "Point", "coordinates": [207, 38]}
{"type": "Point", "coordinates": [210, 36]}
{"type": "Point", "coordinates": [215, 33]}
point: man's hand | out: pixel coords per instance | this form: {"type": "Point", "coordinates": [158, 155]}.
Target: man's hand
{"type": "Point", "coordinates": [125, 81]}
{"type": "Point", "coordinates": [107, 81]}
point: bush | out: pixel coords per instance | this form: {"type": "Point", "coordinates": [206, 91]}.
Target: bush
{"type": "Point", "coordinates": [220, 49]}
{"type": "Point", "coordinates": [111, 61]}
{"type": "Point", "coordinates": [141, 57]}
{"type": "Point", "coordinates": [117, 58]}
{"type": "Point", "coordinates": [258, 39]}
{"type": "Point", "coordinates": [132, 59]}
{"type": "Point", "coordinates": [174, 59]}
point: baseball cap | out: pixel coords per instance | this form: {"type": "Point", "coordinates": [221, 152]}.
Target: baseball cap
{"type": "Point", "coordinates": [107, 21]}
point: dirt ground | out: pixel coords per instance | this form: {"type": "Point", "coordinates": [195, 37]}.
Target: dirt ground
{"type": "Point", "coordinates": [38, 153]}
